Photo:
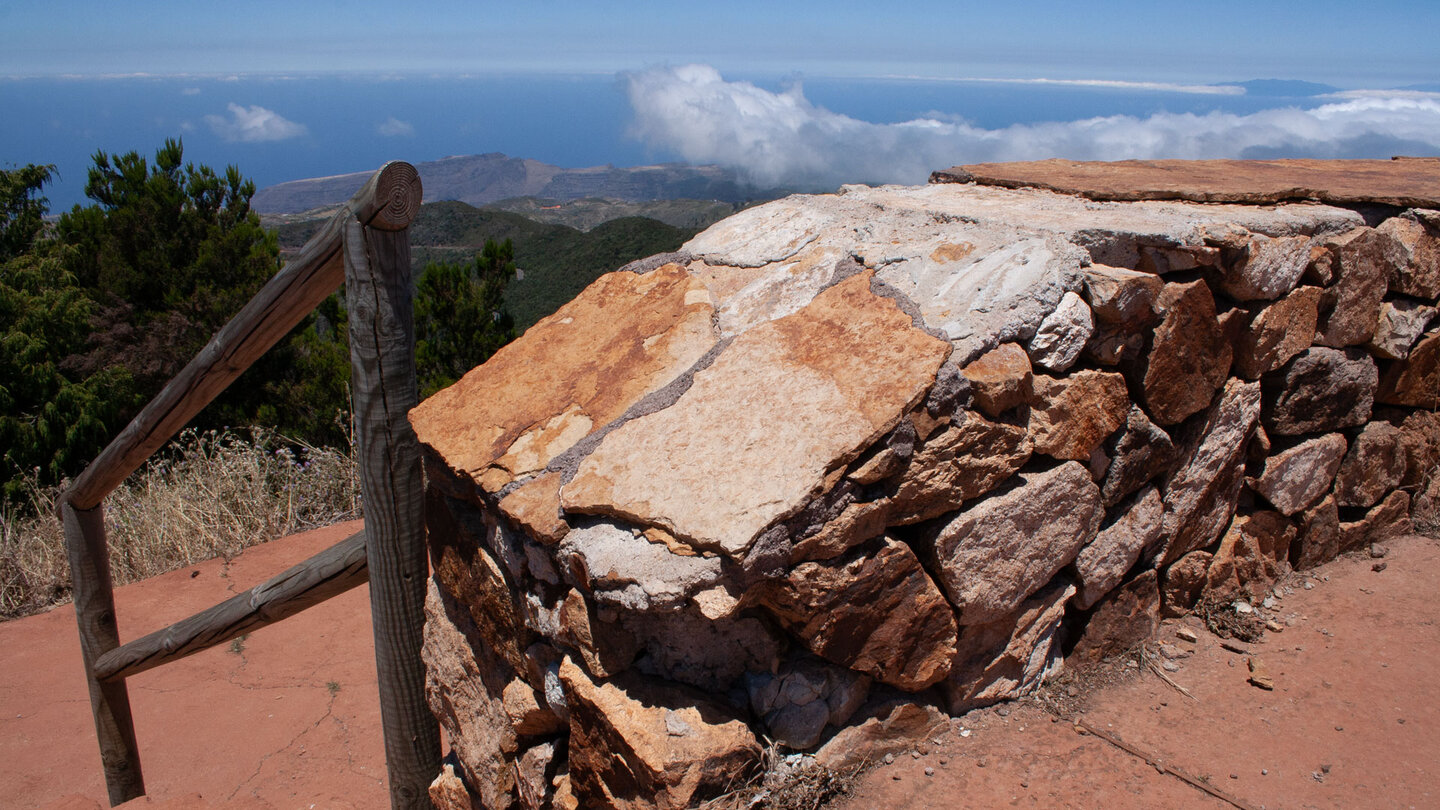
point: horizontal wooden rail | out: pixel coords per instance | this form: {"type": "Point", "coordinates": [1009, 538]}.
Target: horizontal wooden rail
{"type": "Point", "coordinates": [389, 201]}
{"type": "Point", "coordinates": [329, 573]}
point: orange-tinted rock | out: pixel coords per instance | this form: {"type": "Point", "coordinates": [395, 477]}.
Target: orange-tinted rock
{"type": "Point", "coordinates": [1414, 381]}
{"type": "Point", "coordinates": [1009, 657]}
{"type": "Point", "coordinates": [1070, 416]}
{"type": "Point", "coordinates": [757, 431]}
{"type": "Point", "coordinates": [1120, 297]}
{"type": "Point", "coordinates": [535, 507]}
{"type": "Point", "coordinates": [573, 372]}
{"type": "Point", "coordinates": [1126, 616]}
{"type": "Point", "coordinates": [1265, 338]}
{"type": "Point", "coordinates": [1409, 183]}
{"type": "Point", "coordinates": [1418, 273]}
{"type": "Point", "coordinates": [1350, 307]}
{"type": "Point", "coordinates": [642, 744]}
{"type": "Point", "coordinates": [1390, 517]}
{"type": "Point", "coordinates": [1183, 582]}
{"type": "Point", "coordinates": [999, 379]}
{"type": "Point", "coordinates": [1062, 334]}
{"type": "Point", "coordinates": [966, 460]}
{"type": "Point", "coordinates": [1318, 537]}
{"type": "Point", "coordinates": [875, 611]}
{"type": "Point", "coordinates": [884, 726]}
{"type": "Point", "coordinates": [1189, 355]}
{"type": "Point", "coordinates": [1373, 466]}
{"type": "Point", "coordinates": [1253, 554]}
{"type": "Point", "coordinates": [464, 684]}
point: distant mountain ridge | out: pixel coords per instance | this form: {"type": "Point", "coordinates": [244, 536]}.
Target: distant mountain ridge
{"type": "Point", "coordinates": [483, 179]}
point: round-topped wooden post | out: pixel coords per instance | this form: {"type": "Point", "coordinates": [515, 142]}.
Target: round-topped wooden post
{"type": "Point", "coordinates": [382, 380]}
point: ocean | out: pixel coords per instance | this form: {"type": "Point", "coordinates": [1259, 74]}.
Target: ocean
{"type": "Point", "coordinates": [284, 128]}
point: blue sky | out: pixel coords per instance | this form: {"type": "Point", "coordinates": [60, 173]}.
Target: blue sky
{"type": "Point", "coordinates": [1379, 44]}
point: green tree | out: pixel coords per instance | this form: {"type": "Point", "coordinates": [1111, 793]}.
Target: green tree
{"type": "Point", "coordinates": [460, 317]}
{"type": "Point", "coordinates": [51, 419]}
{"type": "Point", "coordinates": [169, 252]}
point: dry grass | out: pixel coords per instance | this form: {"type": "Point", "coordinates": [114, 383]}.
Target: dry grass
{"type": "Point", "coordinates": [206, 495]}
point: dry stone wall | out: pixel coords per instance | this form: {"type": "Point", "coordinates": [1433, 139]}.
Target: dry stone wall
{"type": "Point", "coordinates": [855, 461]}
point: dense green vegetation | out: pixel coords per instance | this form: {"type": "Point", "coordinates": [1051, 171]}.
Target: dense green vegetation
{"type": "Point", "coordinates": [99, 311]}
{"type": "Point", "coordinates": [555, 262]}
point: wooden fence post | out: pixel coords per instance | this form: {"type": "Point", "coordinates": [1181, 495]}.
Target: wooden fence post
{"type": "Point", "coordinates": [382, 371]}
{"type": "Point", "coordinates": [95, 613]}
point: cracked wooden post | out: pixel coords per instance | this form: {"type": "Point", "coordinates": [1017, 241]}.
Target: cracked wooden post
{"type": "Point", "coordinates": [94, 597]}
{"type": "Point", "coordinates": [382, 377]}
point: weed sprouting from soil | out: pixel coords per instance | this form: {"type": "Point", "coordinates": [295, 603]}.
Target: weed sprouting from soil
{"type": "Point", "coordinates": [208, 494]}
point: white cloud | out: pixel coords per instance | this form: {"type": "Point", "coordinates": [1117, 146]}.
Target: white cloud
{"type": "Point", "coordinates": [1101, 84]}
{"type": "Point", "coordinates": [393, 127]}
{"type": "Point", "coordinates": [783, 139]}
{"type": "Point", "coordinates": [190, 91]}
{"type": "Point", "coordinates": [253, 124]}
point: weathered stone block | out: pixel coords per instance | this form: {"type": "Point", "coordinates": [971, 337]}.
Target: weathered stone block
{"type": "Point", "coordinates": [1002, 548]}
{"type": "Point", "coordinates": [1126, 616]}
{"type": "Point", "coordinates": [1070, 416]}
{"type": "Point", "coordinates": [1011, 656]}
{"type": "Point", "coordinates": [1189, 355]}
{"type": "Point", "coordinates": [1104, 561]}
{"type": "Point", "coordinates": [1265, 338]}
{"type": "Point", "coordinates": [1374, 465]}
{"type": "Point", "coordinates": [875, 610]}
{"type": "Point", "coordinates": [642, 744]}
{"type": "Point", "coordinates": [1294, 478]}
{"type": "Point", "coordinates": [1000, 379]}
{"type": "Point", "coordinates": [1319, 391]}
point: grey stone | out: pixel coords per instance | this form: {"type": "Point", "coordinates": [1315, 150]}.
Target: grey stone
{"type": "Point", "coordinates": [1103, 562]}
{"type": "Point", "coordinates": [805, 695]}
{"type": "Point", "coordinates": [1201, 492]}
{"type": "Point", "coordinates": [1374, 466]}
{"type": "Point", "coordinates": [621, 567]}
{"type": "Point", "coordinates": [1400, 326]}
{"type": "Point", "coordinates": [1002, 548]}
{"type": "Point", "coordinates": [1064, 332]}
{"type": "Point", "coordinates": [1319, 391]}
{"type": "Point", "coordinates": [1295, 478]}
{"type": "Point", "coordinates": [1266, 268]}
{"type": "Point", "coordinates": [1138, 453]}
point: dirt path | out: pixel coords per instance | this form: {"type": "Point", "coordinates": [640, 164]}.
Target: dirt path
{"type": "Point", "coordinates": [287, 718]}
{"type": "Point", "coordinates": [1353, 720]}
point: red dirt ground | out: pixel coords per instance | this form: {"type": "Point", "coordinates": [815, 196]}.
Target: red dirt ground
{"type": "Point", "coordinates": [1355, 702]}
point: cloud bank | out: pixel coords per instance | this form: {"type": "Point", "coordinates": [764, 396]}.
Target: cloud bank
{"type": "Point", "coordinates": [253, 124]}
{"type": "Point", "coordinates": [781, 139]}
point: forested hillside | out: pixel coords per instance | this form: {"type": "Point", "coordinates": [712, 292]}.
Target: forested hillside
{"type": "Point", "coordinates": [555, 262]}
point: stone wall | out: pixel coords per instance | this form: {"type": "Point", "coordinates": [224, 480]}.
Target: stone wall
{"type": "Point", "coordinates": [854, 461]}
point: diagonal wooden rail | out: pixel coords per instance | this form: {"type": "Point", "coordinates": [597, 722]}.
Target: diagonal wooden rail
{"type": "Point", "coordinates": [367, 246]}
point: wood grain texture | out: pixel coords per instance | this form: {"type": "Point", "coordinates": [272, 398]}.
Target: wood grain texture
{"type": "Point", "coordinates": [329, 573]}
{"type": "Point", "coordinates": [95, 613]}
{"type": "Point", "coordinates": [382, 378]}
{"type": "Point", "coordinates": [390, 199]}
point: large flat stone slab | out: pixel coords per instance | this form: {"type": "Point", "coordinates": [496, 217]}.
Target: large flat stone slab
{"type": "Point", "coordinates": [1413, 183]}
{"type": "Point", "coordinates": [572, 373]}
{"type": "Point", "coordinates": [752, 439]}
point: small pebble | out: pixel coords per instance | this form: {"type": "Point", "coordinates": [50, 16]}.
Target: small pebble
{"type": "Point", "coordinates": [1339, 728]}
{"type": "Point", "coordinates": [1264, 771]}
{"type": "Point", "coordinates": [896, 777]}
{"type": "Point", "coordinates": [980, 763]}
{"type": "Point", "coordinates": [944, 760]}
{"type": "Point", "coordinates": [929, 771]}
{"type": "Point", "coordinates": [1401, 721]}
{"type": "Point", "coordinates": [1376, 552]}
{"type": "Point", "coordinates": [1072, 691]}
{"type": "Point", "coordinates": [1186, 634]}
{"type": "Point", "coordinates": [889, 758]}
{"type": "Point", "coordinates": [914, 754]}
{"type": "Point", "coordinates": [1024, 784]}
{"type": "Point", "coordinates": [1234, 776]}
{"type": "Point", "coordinates": [1170, 666]}
{"type": "Point", "coordinates": [1003, 711]}
{"type": "Point", "coordinates": [1309, 586]}
{"type": "Point", "coordinates": [1325, 768]}
{"type": "Point", "coordinates": [1380, 566]}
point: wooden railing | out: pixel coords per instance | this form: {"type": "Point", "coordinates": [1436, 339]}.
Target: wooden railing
{"type": "Point", "coordinates": [367, 246]}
